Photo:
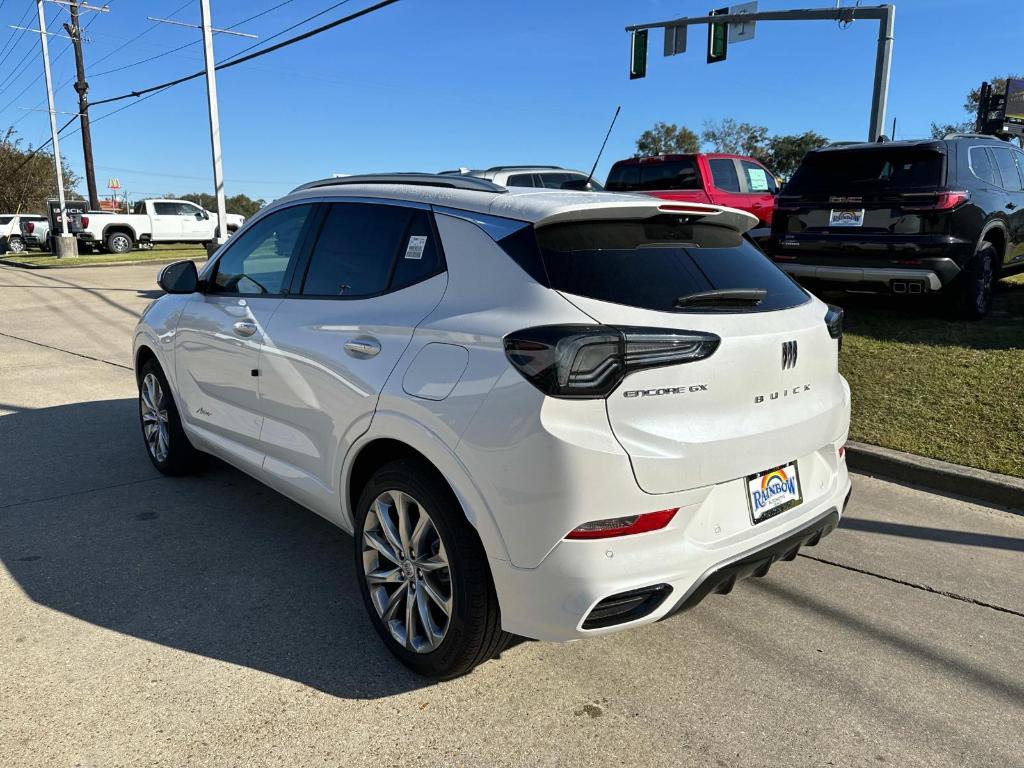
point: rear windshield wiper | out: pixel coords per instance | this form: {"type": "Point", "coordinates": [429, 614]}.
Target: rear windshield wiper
{"type": "Point", "coordinates": [724, 297]}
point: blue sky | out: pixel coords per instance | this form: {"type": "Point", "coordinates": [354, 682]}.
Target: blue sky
{"type": "Point", "coordinates": [434, 84]}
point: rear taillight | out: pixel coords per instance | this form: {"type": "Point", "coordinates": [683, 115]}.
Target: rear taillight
{"type": "Point", "coordinates": [623, 526]}
{"type": "Point", "coordinates": [834, 323]}
{"type": "Point", "coordinates": [589, 361]}
{"type": "Point", "coordinates": [30, 227]}
{"type": "Point", "coordinates": [85, 221]}
{"type": "Point", "coordinates": [943, 201]}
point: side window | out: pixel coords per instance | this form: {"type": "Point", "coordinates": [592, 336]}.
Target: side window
{"type": "Point", "coordinates": [256, 262]}
{"type": "Point", "coordinates": [188, 209]}
{"type": "Point", "coordinates": [1019, 158]}
{"type": "Point", "coordinates": [359, 244]}
{"type": "Point", "coordinates": [554, 180]}
{"type": "Point", "coordinates": [757, 178]}
{"type": "Point", "coordinates": [982, 166]}
{"type": "Point", "coordinates": [723, 172]}
{"type": "Point", "coordinates": [521, 180]}
{"type": "Point", "coordinates": [1007, 169]}
{"type": "Point", "coordinates": [165, 209]}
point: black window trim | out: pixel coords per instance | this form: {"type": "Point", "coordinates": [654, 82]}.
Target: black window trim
{"type": "Point", "coordinates": [991, 158]}
{"type": "Point", "coordinates": [319, 218]}
{"type": "Point", "coordinates": [209, 272]}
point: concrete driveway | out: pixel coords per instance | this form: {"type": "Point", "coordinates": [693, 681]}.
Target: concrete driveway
{"type": "Point", "coordinates": [210, 621]}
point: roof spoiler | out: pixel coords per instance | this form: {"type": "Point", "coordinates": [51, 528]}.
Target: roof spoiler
{"type": "Point", "coordinates": [731, 218]}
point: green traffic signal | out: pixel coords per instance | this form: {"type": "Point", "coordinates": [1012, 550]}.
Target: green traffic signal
{"type": "Point", "coordinates": [718, 38]}
{"type": "Point", "coordinates": [638, 55]}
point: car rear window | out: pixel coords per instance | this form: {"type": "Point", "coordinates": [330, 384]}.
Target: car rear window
{"type": "Point", "coordinates": [681, 173]}
{"type": "Point", "coordinates": [867, 170]}
{"type": "Point", "coordinates": [652, 263]}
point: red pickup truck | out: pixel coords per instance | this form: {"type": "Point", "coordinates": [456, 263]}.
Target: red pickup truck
{"type": "Point", "coordinates": [730, 180]}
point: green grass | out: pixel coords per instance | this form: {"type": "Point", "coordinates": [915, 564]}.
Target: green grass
{"type": "Point", "coordinates": [157, 253]}
{"type": "Point", "coordinates": [947, 389]}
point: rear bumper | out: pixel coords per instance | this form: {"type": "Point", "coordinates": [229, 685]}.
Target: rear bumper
{"type": "Point", "coordinates": [588, 588]}
{"type": "Point", "coordinates": [889, 277]}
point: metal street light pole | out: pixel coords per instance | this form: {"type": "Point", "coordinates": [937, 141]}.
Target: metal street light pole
{"type": "Point", "coordinates": [65, 244]}
{"type": "Point", "coordinates": [884, 14]}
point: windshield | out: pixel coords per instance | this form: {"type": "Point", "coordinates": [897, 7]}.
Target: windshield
{"type": "Point", "coordinates": [867, 170]}
{"type": "Point", "coordinates": [655, 263]}
{"type": "Point", "coordinates": [680, 173]}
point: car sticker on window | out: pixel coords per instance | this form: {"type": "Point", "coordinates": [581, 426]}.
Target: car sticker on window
{"type": "Point", "coordinates": [758, 180]}
{"type": "Point", "coordinates": [417, 244]}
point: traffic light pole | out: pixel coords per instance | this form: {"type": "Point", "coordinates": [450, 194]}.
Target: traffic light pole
{"type": "Point", "coordinates": [884, 14]}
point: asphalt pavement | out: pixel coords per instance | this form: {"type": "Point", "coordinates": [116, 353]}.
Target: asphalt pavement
{"type": "Point", "coordinates": [210, 621]}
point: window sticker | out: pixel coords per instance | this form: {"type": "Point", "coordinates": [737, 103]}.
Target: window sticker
{"type": "Point", "coordinates": [758, 180]}
{"type": "Point", "coordinates": [417, 244]}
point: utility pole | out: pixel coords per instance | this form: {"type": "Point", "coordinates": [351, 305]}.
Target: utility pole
{"type": "Point", "coordinates": [884, 14]}
{"type": "Point", "coordinates": [211, 95]}
{"type": "Point", "coordinates": [74, 31]}
{"type": "Point", "coordinates": [65, 245]}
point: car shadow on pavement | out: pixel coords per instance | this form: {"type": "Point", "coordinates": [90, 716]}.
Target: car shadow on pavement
{"type": "Point", "coordinates": [216, 564]}
{"type": "Point", "coordinates": [927, 533]}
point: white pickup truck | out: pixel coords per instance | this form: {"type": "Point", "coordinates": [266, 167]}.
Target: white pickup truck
{"type": "Point", "coordinates": [153, 221]}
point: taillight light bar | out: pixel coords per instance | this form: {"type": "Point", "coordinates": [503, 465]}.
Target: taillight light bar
{"type": "Point", "coordinates": [589, 361]}
{"type": "Point", "coordinates": [944, 201]}
{"type": "Point", "coordinates": [623, 526]}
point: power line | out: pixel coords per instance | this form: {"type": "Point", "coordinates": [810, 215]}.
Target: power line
{"type": "Point", "coordinates": [148, 93]}
{"type": "Point", "coordinates": [235, 61]}
{"type": "Point", "coordinates": [14, 38]}
{"type": "Point", "coordinates": [186, 45]}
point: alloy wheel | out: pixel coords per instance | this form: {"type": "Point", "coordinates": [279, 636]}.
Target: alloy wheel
{"type": "Point", "coordinates": [16, 245]}
{"type": "Point", "coordinates": [154, 418]}
{"type": "Point", "coordinates": [120, 244]}
{"type": "Point", "coordinates": [407, 571]}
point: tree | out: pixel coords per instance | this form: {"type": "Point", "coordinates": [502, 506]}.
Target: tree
{"type": "Point", "coordinates": [735, 138]}
{"type": "Point", "coordinates": [971, 103]}
{"type": "Point", "coordinates": [240, 204]}
{"type": "Point", "coordinates": [667, 139]}
{"type": "Point", "coordinates": [27, 178]}
{"type": "Point", "coordinates": [784, 153]}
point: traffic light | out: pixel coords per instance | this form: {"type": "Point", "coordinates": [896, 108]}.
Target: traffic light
{"type": "Point", "coordinates": [718, 37]}
{"type": "Point", "coordinates": [638, 55]}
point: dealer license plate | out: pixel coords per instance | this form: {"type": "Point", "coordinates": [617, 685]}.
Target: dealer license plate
{"type": "Point", "coordinates": [846, 217]}
{"type": "Point", "coordinates": [774, 491]}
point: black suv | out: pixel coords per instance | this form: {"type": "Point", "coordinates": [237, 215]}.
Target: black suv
{"type": "Point", "coordinates": [907, 217]}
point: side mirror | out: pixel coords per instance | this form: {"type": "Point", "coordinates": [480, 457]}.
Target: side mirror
{"type": "Point", "coordinates": [179, 277]}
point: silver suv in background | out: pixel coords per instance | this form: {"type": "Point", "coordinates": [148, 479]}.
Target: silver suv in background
{"type": "Point", "coordinates": [542, 176]}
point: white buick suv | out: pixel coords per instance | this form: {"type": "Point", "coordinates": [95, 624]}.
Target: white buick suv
{"type": "Point", "coordinates": [539, 413]}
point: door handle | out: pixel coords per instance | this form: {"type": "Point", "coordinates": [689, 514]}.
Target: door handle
{"type": "Point", "coordinates": [362, 347]}
{"type": "Point", "coordinates": [1010, 206]}
{"type": "Point", "coordinates": [244, 328]}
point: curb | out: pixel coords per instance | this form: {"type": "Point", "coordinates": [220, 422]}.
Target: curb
{"type": "Point", "coordinates": [154, 262]}
{"type": "Point", "coordinates": [935, 475]}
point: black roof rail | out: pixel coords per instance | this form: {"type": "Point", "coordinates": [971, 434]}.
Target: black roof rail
{"type": "Point", "coordinates": [520, 167]}
{"type": "Point", "coordinates": [471, 183]}
{"type": "Point", "coordinates": [971, 136]}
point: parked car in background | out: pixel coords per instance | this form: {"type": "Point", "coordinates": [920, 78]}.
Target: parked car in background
{"type": "Point", "coordinates": [10, 233]}
{"type": "Point", "coordinates": [730, 180]}
{"type": "Point", "coordinates": [907, 217]}
{"type": "Point", "coordinates": [152, 221]}
{"type": "Point", "coordinates": [35, 231]}
{"type": "Point", "coordinates": [540, 413]}
{"type": "Point", "coordinates": [541, 176]}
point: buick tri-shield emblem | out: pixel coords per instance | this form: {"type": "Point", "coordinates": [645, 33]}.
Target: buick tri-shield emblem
{"type": "Point", "coordinates": [789, 352]}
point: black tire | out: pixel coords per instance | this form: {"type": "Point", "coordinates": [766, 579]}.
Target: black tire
{"type": "Point", "coordinates": [181, 458]}
{"type": "Point", "coordinates": [971, 293]}
{"type": "Point", "coordinates": [120, 242]}
{"type": "Point", "coordinates": [474, 632]}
